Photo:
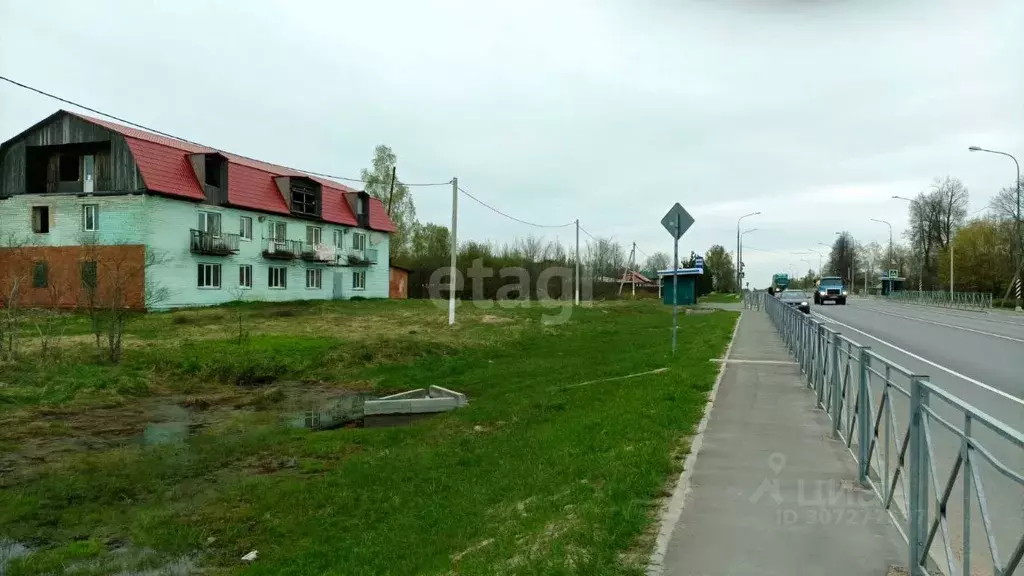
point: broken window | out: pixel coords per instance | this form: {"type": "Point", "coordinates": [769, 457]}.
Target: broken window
{"type": "Point", "coordinates": [41, 219]}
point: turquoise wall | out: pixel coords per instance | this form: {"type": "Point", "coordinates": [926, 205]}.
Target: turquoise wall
{"type": "Point", "coordinates": [171, 220]}
{"type": "Point", "coordinates": [163, 225]}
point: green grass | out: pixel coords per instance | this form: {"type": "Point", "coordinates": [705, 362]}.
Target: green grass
{"type": "Point", "coordinates": [719, 298]}
{"type": "Point", "coordinates": [531, 478]}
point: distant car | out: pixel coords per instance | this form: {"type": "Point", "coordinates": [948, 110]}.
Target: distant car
{"type": "Point", "coordinates": [796, 299]}
{"type": "Point", "coordinates": [830, 288]}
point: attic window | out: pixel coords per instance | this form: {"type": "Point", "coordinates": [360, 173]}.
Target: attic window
{"type": "Point", "coordinates": [305, 197]}
{"type": "Point", "coordinates": [213, 168]}
{"type": "Point", "coordinates": [69, 168]}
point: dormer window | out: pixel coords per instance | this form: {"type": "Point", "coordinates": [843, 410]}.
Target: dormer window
{"type": "Point", "coordinates": [213, 162]}
{"type": "Point", "coordinates": [305, 196]}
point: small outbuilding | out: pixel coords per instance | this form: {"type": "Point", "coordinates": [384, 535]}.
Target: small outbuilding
{"type": "Point", "coordinates": [686, 294]}
{"type": "Point", "coordinates": [398, 283]}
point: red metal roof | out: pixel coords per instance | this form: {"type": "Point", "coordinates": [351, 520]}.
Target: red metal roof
{"type": "Point", "coordinates": [165, 168]}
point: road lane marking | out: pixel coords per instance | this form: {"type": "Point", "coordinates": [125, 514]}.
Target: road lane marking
{"type": "Point", "coordinates": [927, 361]}
{"type": "Point", "coordinates": [877, 311]}
{"type": "Point", "coordinates": [979, 316]}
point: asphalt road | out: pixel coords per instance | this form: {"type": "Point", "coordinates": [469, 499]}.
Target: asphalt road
{"type": "Point", "coordinates": [979, 358]}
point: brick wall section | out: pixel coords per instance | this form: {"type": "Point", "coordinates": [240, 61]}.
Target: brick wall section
{"type": "Point", "coordinates": [120, 276]}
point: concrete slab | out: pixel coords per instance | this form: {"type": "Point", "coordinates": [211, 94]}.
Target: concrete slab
{"type": "Point", "coordinates": [772, 493]}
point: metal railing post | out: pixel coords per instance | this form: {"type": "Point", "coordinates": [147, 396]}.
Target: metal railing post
{"type": "Point", "coordinates": [819, 381]}
{"type": "Point", "coordinates": [917, 471]}
{"type": "Point", "coordinates": [835, 386]}
{"type": "Point", "coordinates": [864, 416]}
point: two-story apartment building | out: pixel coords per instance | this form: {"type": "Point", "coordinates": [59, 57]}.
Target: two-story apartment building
{"type": "Point", "coordinates": [92, 207]}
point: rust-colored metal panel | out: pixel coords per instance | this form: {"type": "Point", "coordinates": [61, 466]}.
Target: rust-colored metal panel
{"type": "Point", "coordinates": [398, 285]}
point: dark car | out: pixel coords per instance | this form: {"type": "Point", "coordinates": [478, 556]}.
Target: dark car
{"type": "Point", "coordinates": [796, 299]}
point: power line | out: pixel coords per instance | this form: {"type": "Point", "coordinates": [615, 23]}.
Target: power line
{"type": "Point", "coordinates": [186, 140]}
{"type": "Point", "coordinates": [492, 208]}
{"type": "Point", "coordinates": [584, 230]}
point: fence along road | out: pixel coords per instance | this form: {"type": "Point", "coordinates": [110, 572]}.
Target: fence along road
{"type": "Point", "coordinates": [972, 388]}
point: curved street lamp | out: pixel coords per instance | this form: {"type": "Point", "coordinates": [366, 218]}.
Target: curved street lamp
{"type": "Point", "coordinates": [739, 250]}
{"type": "Point", "coordinates": [1016, 224]}
{"type": "Point", "coordinates": [890, 237]}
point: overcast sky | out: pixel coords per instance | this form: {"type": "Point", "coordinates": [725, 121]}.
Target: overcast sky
{"type": "Point", "coordinates": [814, 113]}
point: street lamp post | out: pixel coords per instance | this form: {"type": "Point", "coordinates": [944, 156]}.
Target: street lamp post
{"type": "Point", "coordinates": [920, 263]}
{"type": "Point", "coordinates": [819, 260]}
{"type": "Point", "coordinates": [739, 250]}
{"type": "Point", "coordinates": [1016, 224]}
{"type": "Point", "coordinates": [891, 261]}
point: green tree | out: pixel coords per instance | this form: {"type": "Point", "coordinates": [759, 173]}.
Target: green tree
{"type": "Point", "coordinates": [721, 268]}
{"type": "Point", "coordinates": [430, 245]}
{"type": "Point", "coordinates": [981, 257]}
{"type": "Point", "coordinates": [399, 203]}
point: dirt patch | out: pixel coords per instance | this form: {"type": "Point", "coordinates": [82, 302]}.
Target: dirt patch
{"type": "Point", "coordinates": [46, 435]}
{"type": "Point", "coordinates": [492, 319]}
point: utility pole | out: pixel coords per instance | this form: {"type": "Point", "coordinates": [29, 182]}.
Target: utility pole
{"type": "Point", "coordinates": [577, 261]}
{"type": "Point", "coordinates": [452, 271]}
{"type": "Point", "coordinates": [950, 269]}
{"type": "Point", "coordinates": [629, 267]}
{"type": "Point", "coordinates": [391, 195]}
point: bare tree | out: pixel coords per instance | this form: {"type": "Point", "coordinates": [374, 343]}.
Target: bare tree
{"type": "Point", "coordinates": [115, 287]}
{"type": "Point", "coordinates": [16, 267]}
{"type": "Point", "coordinates": [657, 261]}
{"type": "Point", "coordinates": [950, 199]}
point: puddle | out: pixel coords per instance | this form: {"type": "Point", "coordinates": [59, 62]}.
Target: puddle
{"type": "Point", "coordinates": [329, 414]}
{"type": "Point", "coordinates": [10, 550]}
{"type": "Point", "coordinates": [172, 425]}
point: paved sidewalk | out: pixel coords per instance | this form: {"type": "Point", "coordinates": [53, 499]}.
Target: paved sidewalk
{"type": "Point", "coordinates": [772, 493]}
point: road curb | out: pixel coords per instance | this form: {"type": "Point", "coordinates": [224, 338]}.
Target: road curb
{"type": "Point", "coordinates": [673, 509]}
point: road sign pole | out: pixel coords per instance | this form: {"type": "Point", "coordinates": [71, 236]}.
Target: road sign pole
{"type": "Point", "coordinates": [676, 222]}
{"type": "Point", "coordinates": [675, 288]}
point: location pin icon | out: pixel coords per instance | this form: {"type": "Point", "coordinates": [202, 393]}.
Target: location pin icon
{"type": "Point", "coordinates": [776, 462]}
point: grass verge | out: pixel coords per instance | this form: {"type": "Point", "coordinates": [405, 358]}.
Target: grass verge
{"type": "Point", "coordinates": [719, 298]}
{"type": "Point", "coordinates": [534, 477]}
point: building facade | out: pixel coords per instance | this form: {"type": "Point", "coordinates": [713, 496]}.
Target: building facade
{"type": "Point", "coordinates": [92, 209]}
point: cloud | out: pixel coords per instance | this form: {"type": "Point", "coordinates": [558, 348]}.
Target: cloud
{"type": "Point", "coordinates": [813, 113]}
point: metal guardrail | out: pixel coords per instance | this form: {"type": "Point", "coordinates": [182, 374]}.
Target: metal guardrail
{"type": "Point", "coordinates": [963, 300]}
{"type": "Point", "coordinates": [859, 389]}
{"type": "Point", "coordinates": [753, 299]}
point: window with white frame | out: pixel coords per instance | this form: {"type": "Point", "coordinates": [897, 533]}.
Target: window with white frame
{"type": "Point", "coordinates": [245, 228]}
{"type": "Point", "coordinates": [313, 235]}
{"type": "Point", "coordinates": [339, 238]}
{"type": "Point", "coordinates": [209, 222]}
{"type": "Point", "coordinates": [90, 217]}
{"type": "Point", "coordinates": [359, 280]}
{"type": "Point", "coordinates": [209, 276]}
{"type": "Point", "coordinates": [313, 278]}
{"type": "Point", "coordinates": [279, 231]}
{"type": "Point", "coordinates": [359, 241]}
{"type": "Point", "coordinates": [277, 277]}
{"type": "Point", "coordinates": [245, 276]}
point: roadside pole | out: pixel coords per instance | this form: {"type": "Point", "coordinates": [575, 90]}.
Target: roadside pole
{"type": "Point", "coordinates": [677, 222]}
{"type": "Point", "coordinates": [577, 261]}
{"type": "Point", "coordinates": [452, 270]}
{"type": "Point", "coordinates": [675, 287]}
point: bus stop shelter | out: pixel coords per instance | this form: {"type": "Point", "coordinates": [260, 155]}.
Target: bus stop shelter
{"type": "Point", "coordinates": [687, 292]}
